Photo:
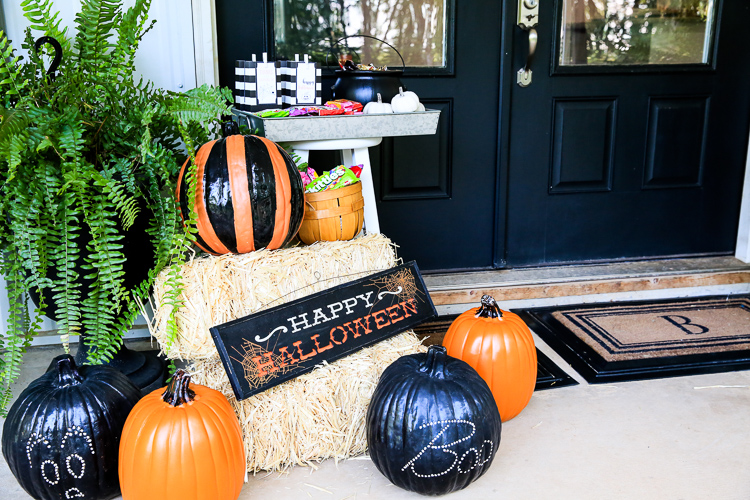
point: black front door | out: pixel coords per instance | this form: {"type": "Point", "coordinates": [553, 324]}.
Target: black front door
{"type": "Point", "coordinates": [630, 140]}
{"type": "Point", "coordinates": [435, 194]}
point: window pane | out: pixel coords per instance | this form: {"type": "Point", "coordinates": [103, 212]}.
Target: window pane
{"type": "Point", "coordinates": [416, 28]}
{"type": "Point", "coordinates": [626, 32]}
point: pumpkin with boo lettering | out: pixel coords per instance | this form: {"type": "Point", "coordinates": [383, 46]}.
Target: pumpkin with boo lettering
{"type": "Point", "coordinates": [432, 425]}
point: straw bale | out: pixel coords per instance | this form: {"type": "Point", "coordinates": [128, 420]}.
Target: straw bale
{"type": "Point", "coordinates": [220, 289]}
{"type": "Point", "coordinates": [313, 417]}
{"type": "Point", "coordinates": [310, 418]}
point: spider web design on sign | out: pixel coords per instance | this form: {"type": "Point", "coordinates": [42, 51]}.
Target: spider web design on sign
{"type": "Point", "coordinates": [400, 285]}
{"type": "Point", "coordinates": [254, 359]}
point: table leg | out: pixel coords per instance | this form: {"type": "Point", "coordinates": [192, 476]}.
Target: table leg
{"type": "Point", "coordinates": [361, 156]}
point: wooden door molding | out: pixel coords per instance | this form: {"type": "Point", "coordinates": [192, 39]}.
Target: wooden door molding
{"type": "Point", "coordinates": [205, 42]}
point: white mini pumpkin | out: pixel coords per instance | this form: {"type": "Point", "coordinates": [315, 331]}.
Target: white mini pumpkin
{"type": "Point", "coordinates": [405, 102]}
{"type": "Point", "coordinates": [378, 107]}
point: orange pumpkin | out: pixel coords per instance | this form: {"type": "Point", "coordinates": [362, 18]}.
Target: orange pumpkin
{"type": "Point", "coordinates": [182, 443]}
{"type": "Point", "coordinates": [499, 346]}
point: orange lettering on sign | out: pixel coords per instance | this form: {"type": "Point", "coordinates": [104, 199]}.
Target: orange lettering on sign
{"type": "Point", "coordinates": [314, 338]}
{"type": "Point", "coordinates": [359, 325]}
{"type": "Point", "coordinates": [346, 336]}
{"type": "Point", "coordinates": [268, 364]}
{"type": "Point", "coordinates": [303, 357]}
{"type": "Point", "coordinates": [393, 313]}
{"type": "Point", "coordinates": [409, 305]}
{"type": "Point", "coordinates": [380, 322]}
{"type": "Point", "coordinates": [285, 356]}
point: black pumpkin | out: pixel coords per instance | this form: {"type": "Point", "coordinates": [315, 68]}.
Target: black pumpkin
{"type": "Point", "coordinates": [432, 426]}
{"type": "Point", "coordinates": [62, 435]}
{"type": "Point", "coordinates": [249, 195]}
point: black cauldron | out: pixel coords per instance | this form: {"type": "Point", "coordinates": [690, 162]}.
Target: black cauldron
{"type": "Point", "coordinates": [365, 85]}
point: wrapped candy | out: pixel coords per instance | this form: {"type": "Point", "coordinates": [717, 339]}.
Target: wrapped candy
{"type": "Point", "coordinates": [274, 113]}
{"type": "Point", "coordinates": [349, 107]}
{"type": "Point", "coordinates": [357, 169]}
{"type": "Point", "coordinates": [308, 175]}
{"type": "Point", "coordinates": [306, 111]}
{"type": "Point", "coordinates": [333, 179]}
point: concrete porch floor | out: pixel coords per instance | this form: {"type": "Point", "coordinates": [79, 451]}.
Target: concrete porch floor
{"type": "Point", "coordinates": [675, 438]}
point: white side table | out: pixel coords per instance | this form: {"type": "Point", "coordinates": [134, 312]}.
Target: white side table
{"type": "Point", "coordinates": [354, 152]}
{"type": "Point", "coordinates": [350, 134]}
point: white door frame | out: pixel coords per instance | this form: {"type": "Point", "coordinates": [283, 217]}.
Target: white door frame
{"type": "Point", "coordinates": [743, 231]}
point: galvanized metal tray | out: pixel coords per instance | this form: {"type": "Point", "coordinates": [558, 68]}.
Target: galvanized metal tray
{"type": "Point", "coordinates": [319, 128]}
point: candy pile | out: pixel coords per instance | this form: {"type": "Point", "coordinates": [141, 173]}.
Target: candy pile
{"type": "Point", "coordinates": [350, 66]}
{"type": "Point", "coordinates": [337, 107]}
{"type": "Point", "coordinates": [333, 179]}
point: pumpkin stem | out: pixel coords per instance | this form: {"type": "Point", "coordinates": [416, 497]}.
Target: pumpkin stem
{"type": "Point", "coordinates": [178, 391]}
{"type": "Point", "coordinates": [229, 127]}
{"type": "Point", "coordinates": [489, 308]}
{"type": "Point", "coordinates": [401, 91]}
{"type": "Point", "coordinates": [434, 363]}
{"type": "Point", "coordinates": [380, 98]}
{"type": "Point", "coordinates": [67, 371]}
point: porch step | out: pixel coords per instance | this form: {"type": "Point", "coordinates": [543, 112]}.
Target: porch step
{"type": "Point", "coordinates": [541, 286]}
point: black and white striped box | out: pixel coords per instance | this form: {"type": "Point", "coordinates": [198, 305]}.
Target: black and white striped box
{"type": "Point", "coordinates": [301, 83]}
{"type": "Point", "coordinates": [257, 85]}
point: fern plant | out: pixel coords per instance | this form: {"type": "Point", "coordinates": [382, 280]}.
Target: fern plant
{"type": "Point", "coordinates": [82, 155]}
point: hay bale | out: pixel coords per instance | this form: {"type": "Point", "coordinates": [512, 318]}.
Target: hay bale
{"type": "Point", "coordinates": [220, 289]}
{"type": "Point", "coordinates": [310, 418]}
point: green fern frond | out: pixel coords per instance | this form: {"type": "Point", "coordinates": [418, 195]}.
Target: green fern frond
{"type": "Point", "coordinates": [201, 104]}
{"type": "Point", "coordinates": [96, 21]}
{"type": "Point", "coordinates": [130, 32]}
{"type": "Point", "coordinates": [40, 14]}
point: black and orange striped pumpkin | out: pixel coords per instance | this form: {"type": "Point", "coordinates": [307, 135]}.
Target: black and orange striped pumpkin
{"type": "Point", "coordinates": [249, 195]}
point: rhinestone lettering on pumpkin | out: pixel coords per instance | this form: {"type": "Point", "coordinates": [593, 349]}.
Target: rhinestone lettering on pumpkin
{"type": "Point", "coordinates": [35, 439]}
{"type": "Point", "coordinates": [55, 468]}
{"type": "Point", "coordinates": [77, 430]}
{"type": "Point", "coordinates": [73, 493]}
{"type": "Point", "coordinates": [80, 461]}
{"type": "Point", "coordinates": [445, 449]}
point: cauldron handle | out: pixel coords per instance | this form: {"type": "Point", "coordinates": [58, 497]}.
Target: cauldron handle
{"type": "Point", "coordinates": [330, 51]}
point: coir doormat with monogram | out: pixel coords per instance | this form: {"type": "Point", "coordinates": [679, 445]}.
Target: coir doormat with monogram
{"type": "Point", "coordinates": [639, 340]}
{"type": "Point", "coordinates": [548, 374]}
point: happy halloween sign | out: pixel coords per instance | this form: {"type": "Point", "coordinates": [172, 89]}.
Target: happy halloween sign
{"type": "Point", "coordinates": [270, 347]}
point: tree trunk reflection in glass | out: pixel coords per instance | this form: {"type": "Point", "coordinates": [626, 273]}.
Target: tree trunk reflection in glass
{"type": "Point", "coordinates": [632, 32]}
{"type": "Point", "coordinates": [416, 28]}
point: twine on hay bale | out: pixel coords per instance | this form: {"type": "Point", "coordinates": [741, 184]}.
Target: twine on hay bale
{"type": "Point", "coordinates": [310, 418]}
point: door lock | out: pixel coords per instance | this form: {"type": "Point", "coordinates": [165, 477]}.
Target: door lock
{"type": "Point", "coordinates": [528, 14]}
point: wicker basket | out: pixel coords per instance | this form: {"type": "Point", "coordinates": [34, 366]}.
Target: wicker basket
{"type": "Point", "coordinates": [335, 215]}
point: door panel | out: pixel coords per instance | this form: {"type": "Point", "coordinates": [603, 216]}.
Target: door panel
{"type": "Point", "coordinates": [582, 145]}
{"type": "Point", "coordinates": [676, 142]}
{"type": "Point", "coordinates": [610, 160]}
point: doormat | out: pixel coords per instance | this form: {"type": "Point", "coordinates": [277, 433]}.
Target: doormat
{"type": "Point", "coordinates": [548, 374]}
{"type": "Point", "coordinates": [642, 340]}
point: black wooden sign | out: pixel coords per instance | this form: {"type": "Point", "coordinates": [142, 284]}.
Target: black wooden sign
{"type": "Point", "coordinates": [270, 347]}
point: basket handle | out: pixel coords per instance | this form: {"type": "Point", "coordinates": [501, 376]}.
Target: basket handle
{"type": "Point", "coordinates": [330, 51]}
